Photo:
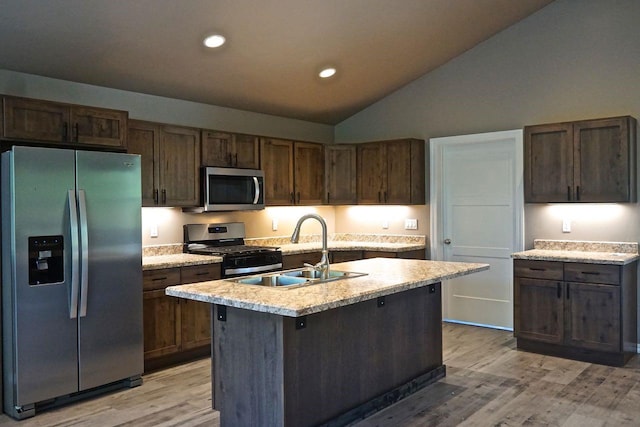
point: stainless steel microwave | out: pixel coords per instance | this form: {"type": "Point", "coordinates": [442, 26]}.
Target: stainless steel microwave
{"type": "Point", "coordinates": [231, 189]}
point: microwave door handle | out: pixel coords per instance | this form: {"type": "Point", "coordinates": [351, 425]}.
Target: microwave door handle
{"type": "Point", "coordinates": [257, 192]}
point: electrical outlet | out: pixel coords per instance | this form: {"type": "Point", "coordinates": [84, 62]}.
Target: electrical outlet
{"type": "Point", "coordinates": [410, 224]}
{"type": "Point", "coordinates": [566, 226]}
{"type": "Point", "coordinates": [385, 223]}
{"type": "Point", "coordinates": [153, 230]}
{"type": "Point", "coordinates": [274, 224]}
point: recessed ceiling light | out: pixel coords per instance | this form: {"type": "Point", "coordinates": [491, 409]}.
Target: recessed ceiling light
{"type": "Point", "coordinates": [327, 72]}
{"type": "Point", "coordinates": [214, 40]}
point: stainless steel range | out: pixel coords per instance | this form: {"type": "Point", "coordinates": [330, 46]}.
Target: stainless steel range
{"type": "Point", "coordinates": [227, 240]}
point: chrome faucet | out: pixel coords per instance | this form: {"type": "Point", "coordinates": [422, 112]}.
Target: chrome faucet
{"type": "Point", "coordinates": [323, 265]}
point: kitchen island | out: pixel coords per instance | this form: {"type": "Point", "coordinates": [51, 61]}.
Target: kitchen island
{"type": "Point", "coordinates": [327, 353]}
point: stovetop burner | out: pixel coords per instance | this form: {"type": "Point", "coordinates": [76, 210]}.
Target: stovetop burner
{"type": "Point", "coordinates": [200, 248]}
{"type": "Point", "coordinates": [227, 240]}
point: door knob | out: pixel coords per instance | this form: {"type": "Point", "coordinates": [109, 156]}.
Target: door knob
{"type": "Point", "coordinates": [447, 241]}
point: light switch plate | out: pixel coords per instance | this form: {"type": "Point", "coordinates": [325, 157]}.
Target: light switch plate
{"type": "Point", "coordinates": [410, 224]}
{"type": "Point", "coordinates": [274, 224]}
{"type": "Point", "coordinates": [566, 226]}
{"type": "Point", "coordinates": [153, 230]}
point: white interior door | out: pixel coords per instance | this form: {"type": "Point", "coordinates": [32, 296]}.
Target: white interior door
{"type": "Point", "coordinates": [477, 216]}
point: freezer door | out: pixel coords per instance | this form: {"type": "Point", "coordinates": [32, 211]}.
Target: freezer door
{"type": "Point", "coordinates": [40, 336]}
{"type": "Point", "coordinates": [110, 308]}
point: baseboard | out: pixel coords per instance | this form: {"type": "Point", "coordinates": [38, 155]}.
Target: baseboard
{"type": "Point", "coordinates": [460, 322]}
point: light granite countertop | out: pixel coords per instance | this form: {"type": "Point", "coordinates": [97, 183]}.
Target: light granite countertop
{"type": "Point", "coordinates": [385, 276]}
{"type": "Point", "coordinates": [171, 256]}
{"type": "Point", "coordinates": [617, 253]}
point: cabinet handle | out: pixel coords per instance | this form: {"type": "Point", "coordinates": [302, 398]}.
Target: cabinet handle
{"type": "Point", "coordinates": [202, 273]}
{"type": "Point", "coordinates": [537, 269]}
{"type": "Point", "coordinates": [578, 192]}
{"type": "Point", "coordinates": [593, 273]}
{"type": "Point", "coordinates": [164, 196]}
{"type": "Point", "coordinates": [298, 202]}
{"type": "Point", "coordinates": [157, 279]}
{"type": "Point", "coordinates": [328, 197]}
{"type": "Point", "coordinates": [75, 132]}
{"type": "Point", "coordinates": [379, 196]}
{"type": "Point", "coordinates": [230, 159]}
{"type": "Point", "coordinates": [155, 196]}
{"type": "Point", "coordinates": [65, 131]}
{"type": "Point", "coordinates": [293, 199]}
{"type": "Point", "coordinates": [568, 290]}
{"type": "Point", "coordinates": [559, 288]}
{"type": "Point", "coordinates": [236, 160]}
{"type": "Point", "coordinates": [385, 197]}
{"type": "Point", "coordinates": [568, 192]}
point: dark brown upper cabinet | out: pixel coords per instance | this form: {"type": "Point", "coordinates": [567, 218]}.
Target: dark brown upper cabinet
{"type": "Point", "coordinates": [170, 157]}
{"type": "Point", "coordinates": [293, 172]}
{"type": "Point", "coordinates": [57, 123]}
{"type": "Point", "coordinates": [340, 174]}
{"type": "Point", "coordinates": [586, 161]}
{"type": "Point", "coordinates": [391, 172]}
{"type": "Point", "coordinates": [226, 149]}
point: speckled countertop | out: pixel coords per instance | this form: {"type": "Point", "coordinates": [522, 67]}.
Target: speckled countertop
{"type": "Point", "coordinates": [170, 256]}
{"type": "Point", "coordinates": [618, 253]}
{"type": "Point", "coordinates": [385, 276]}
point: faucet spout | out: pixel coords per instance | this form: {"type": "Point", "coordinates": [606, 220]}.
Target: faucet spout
{"type": "Point", "coordinates": [323, 265]}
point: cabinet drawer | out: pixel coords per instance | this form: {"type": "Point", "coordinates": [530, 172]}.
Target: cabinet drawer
{"type": "Point", "coordinates": [200, 273]}
{"type": "Point", "coordinates": [160, 279]}
{"type": "Point", "coordinates": [550, 270]}
{"type": "Point", "coordinates": [592, 273]}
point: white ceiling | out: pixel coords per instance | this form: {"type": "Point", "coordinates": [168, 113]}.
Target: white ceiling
{"type": "Point", "coordinates": [275, 47]}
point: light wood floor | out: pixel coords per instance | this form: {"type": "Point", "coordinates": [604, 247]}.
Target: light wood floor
{"type": "Point", "coordinates": [488, 383]}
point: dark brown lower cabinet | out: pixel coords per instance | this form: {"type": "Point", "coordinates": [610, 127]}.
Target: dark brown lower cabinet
{"type": "Point", "coordinates": [327, 368]}
{"type": "Point", "coordinates": [298, 260]}
{"type": "Point", "coordinates": [575, 310]}
{"type": "Point", "coordinates": [175, 329]}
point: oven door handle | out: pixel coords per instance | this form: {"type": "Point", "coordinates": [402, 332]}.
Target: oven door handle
{"type": "Point", "coordinates": [257, 191]}
{"type": "Point", "coordinates": [250, 270]}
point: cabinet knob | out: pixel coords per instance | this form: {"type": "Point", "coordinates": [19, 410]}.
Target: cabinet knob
{"type": "Point", "coordinates": [447, 241]}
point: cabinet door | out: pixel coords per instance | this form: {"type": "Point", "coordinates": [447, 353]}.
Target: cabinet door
{"type": "Point", "coordinates": [162, 324]}
{"type": "Point", "coordinates": [340, 174]}
{"type": "Point", "coordinates": [99, 126]}
{"type": "Point", "coordinates": [593, 316]}
{"type": "Point", "coordinates": [35, 120]}
{"type": "Point", "coordinates": [548, 163]}
{"type": "Point", "coordinates": [371, 173]}
{"type": "Point", "coordinates": [398, 186]}
{"type": "Point", "coordinates": [605, 166]}
{"type": "Point", "coordinates": [216, 149]}
{"type": "Point", "coordinates": [309, 173]}
{"type": "Point", "coordinates": [143, 140]}
{"type": "Point", "coordinates": [345, 256]}
{"type": "Point", "coordinates": [418, 177]}
{"type": "Point", "coordinates": [298, 260]}
{"type": "Point", "coordinates": [246, 151]}
{"type": "Point", "coordinates": [196, 324]}
{"type": "Point", "coordinates": [179, 157]}
{"type": "Point", "coordinates": [538, 310]}
{"type": "Point", "coordinates": [276, 160]}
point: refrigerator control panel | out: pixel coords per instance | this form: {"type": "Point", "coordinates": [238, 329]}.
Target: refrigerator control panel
{"type": "Point", "coordinates": [46, 260]}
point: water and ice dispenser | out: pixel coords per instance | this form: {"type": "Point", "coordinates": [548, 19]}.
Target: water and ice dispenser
{"type": "Point", "coordinates": [46, 260]}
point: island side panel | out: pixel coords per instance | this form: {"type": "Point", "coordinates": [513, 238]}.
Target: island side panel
{"type": "Point", "coordinates": [347, 356]}
{"type": "Point", "coordinates": [247, 368]}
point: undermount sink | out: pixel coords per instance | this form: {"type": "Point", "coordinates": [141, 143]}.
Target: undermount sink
{"type": "Point", "coordinates": [295, 278]}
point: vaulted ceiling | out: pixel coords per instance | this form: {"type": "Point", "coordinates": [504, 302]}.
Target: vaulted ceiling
{"type": "Point", "coordinates": [273, 53]}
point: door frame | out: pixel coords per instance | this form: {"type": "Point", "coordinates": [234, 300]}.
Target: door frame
{"type": "Point", "coordinates": [436, 184]}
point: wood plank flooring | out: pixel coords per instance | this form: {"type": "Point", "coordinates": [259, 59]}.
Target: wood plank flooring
{"type": "Point", "coordinates": [488, 383]}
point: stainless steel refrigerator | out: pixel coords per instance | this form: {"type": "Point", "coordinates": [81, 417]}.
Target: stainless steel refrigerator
{"type": "Point", "coordinates": [71, 275]}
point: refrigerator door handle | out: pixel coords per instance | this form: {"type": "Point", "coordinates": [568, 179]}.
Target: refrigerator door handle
{"type": "Point", "coordinates": [84, 258]}
{"type": "Point", "coordinates": [75, 255]}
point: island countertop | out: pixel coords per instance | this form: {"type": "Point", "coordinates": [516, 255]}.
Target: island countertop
{"type": "Point", "coordinates": [385, 276]}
